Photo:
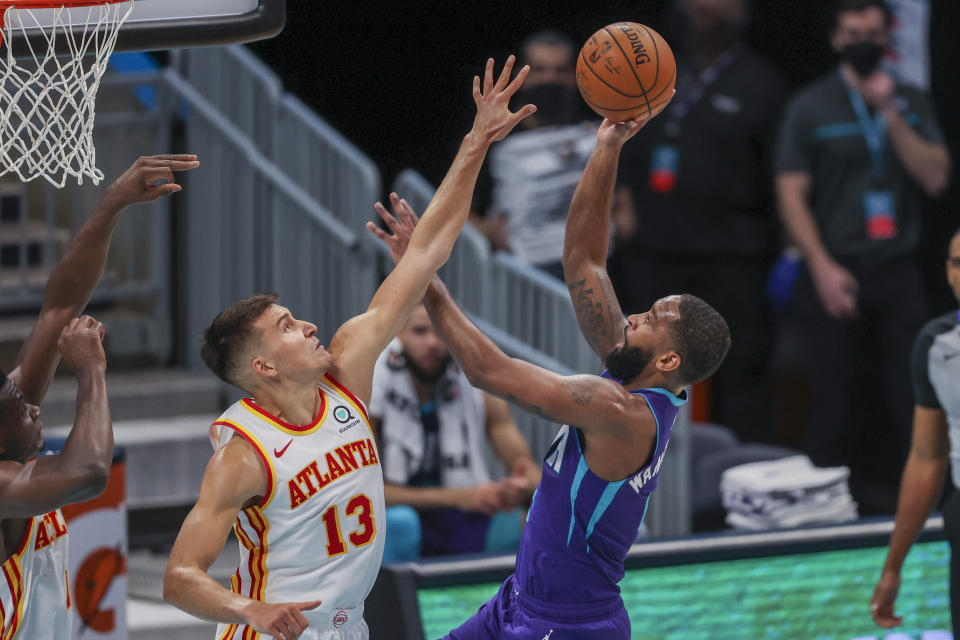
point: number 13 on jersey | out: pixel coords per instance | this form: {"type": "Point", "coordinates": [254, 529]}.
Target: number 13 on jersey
{"type": "Point", "coordinates": [359, 506]}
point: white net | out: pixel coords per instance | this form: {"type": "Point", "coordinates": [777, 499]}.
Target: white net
{"type": "Point", "coordinates": [47, 97]}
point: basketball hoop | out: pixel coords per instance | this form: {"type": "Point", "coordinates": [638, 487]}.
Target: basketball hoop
{"type": "Point", "coordinates": [47, 98]}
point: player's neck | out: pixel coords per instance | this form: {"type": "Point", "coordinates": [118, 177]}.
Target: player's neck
{"type": "Point", "coordinates": [296, 405]}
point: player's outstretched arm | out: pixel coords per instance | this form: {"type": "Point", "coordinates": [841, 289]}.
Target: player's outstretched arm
{"type": "Point", "coordinates": [361, 340]}
{"type": "Point", "coordinates": [73, 279]}
{"type": "Point", "coordinates": [587, 239]}
{"type": "Point", "coordinates": [235, 479]}
{"type": "Point", "coordinates": [81, 470]}
{"type": "Point", "coordinates": [920, 487]}
{"type": "Point", "coordinates": [590, 402]}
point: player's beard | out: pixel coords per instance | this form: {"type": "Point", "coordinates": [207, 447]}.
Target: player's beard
{"type": "Point", "coordinates": [421, 374]}
{"type": "Point", "coordinates": [626, 363]}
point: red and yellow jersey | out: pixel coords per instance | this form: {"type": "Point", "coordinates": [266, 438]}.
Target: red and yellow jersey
{"type": "Point", "coordinates": [318, 533]}
{"type": "Point", "coordinates": [34, 587]}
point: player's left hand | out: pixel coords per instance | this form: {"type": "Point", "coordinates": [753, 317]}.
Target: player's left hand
{"type": "Point", "coordinates": [494, 120]}
{"type": "Point", "coordinates": [402, 225]}
{"type": "Point", "coordinates": [139, 183]}
{"type": "Point", "coordinates": [884, 596]}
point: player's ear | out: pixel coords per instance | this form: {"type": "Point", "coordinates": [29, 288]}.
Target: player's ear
{"type": "Point", "coordinates": [263, 367]}
{"type": "Point", "coordinates": [669, 362]}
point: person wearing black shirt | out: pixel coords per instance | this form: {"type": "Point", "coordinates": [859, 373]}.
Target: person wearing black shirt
{"type": "Point", "coordinates": [693, 209]}
{"type": "Point", "coordinates": [856, 153]}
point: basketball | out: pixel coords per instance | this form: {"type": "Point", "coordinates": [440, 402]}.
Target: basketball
{"type": "Point", "coordinates": [626, 70]}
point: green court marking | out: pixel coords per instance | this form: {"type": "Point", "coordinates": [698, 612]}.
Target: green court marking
{"type": "Point", "coordinates": [811, 596]}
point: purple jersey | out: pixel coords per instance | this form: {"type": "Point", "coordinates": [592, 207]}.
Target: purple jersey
{"type": "Point", "coordinates": [580, 527]}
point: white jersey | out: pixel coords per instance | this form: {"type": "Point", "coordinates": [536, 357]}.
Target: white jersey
{"type": "Point", "coordinates": [318, 533]}
{"type": "Point", "coordinates": [34, 588]}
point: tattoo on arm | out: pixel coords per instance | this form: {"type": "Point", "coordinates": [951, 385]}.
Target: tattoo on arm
{"type": "Point", "coordinates": [613, 305]}
{"type": "Point", "coordinates": [582, 391]}
{"type": "Point", "coordinates": [596, 323]}
{"type": "Point", "coordinates": [532, 408]}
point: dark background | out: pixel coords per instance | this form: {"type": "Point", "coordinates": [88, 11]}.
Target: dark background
{"type": "Point", "coordinates": [395, 77]}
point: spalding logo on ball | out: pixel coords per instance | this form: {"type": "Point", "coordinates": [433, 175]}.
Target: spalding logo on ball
{"type": "Point", "coordinates": [626, 70]}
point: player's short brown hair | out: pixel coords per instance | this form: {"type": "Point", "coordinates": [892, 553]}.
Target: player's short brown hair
{"type": "Point", "coordinates": [702, 339]}
{"type": "Point", "coordinates": [230, 333]}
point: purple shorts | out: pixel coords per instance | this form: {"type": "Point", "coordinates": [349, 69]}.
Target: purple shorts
{"type": "Point", "coordinates": [511, 615]}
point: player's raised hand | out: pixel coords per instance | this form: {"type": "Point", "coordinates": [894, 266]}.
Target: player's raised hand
{"type": "Point", "coordinates": [401, 225]}
{"type": "Point", "coordinates": [494, 119]}
{"type": "Point", "coordinates": [884, 595]}
{"type": "Point", "coordinates": [148, 178]}
{"type": "Point", "coordinates": [283, 621]}
{"type": "Point", "coordinates": [81, 344]}
{"type": "Point", "coordinates": [614, 134]}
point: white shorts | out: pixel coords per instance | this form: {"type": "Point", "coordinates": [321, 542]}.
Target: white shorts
{"type": "Point", "coordinates": [358, 631]}
{"type": "Point", "coordinates": [339, 624]}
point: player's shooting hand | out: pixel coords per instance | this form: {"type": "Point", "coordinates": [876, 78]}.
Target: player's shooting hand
{"type": "Point", "coordinates": [614, 134]}
{"type": "Point", "coordinates": [884, 595]}
{"type": "Point", "coordinates": [148, 178]}
{"type": "Point", "coordinates": [81, 345]}
{"type": "Point", "coordinates": [283, 621]}
{"type": "Point", "coordinates": [401, 225]}
{"type": "Point", "coordinates": [494, 120]}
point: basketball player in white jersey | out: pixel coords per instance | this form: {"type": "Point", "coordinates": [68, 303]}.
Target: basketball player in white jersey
{"type": "Point", "coordinates": [296, 472]}
{"type": "Point", "coordinates": [34, 585]}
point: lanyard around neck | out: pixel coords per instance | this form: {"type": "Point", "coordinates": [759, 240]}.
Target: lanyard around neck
{"type": "Point", "coordinates": [874, 130]}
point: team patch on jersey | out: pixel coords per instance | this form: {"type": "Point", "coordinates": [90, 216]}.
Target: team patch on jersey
{"type": "Point", "coordinates": [345, 418]}
{"type": "Point", "coordinates": [338, 463]}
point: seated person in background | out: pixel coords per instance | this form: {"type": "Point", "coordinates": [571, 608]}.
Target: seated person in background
{"type": "Point", "coordinates": [430, 425]}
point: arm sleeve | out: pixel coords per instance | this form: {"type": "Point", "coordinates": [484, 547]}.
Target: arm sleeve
{"type": "Point", "coordinates": [923, 393]}
{"type": "Point", "coordinates": [794, 150]}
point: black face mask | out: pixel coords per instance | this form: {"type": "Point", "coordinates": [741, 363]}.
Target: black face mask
{"type": "Point", "coordinates": [556, 103]}
{"type": "Point", "coordinates": [864, 57]}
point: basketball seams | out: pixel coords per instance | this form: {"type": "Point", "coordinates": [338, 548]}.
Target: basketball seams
{"type": "Point", "coordinates": [656, 51]}
{"type": "Point", "coordinates": [668, 86]}
{"type": "Point", "coordinates": [606, 82]}
{"type": "Point", "coordinates": [635, 107]}
{"type": "Point", "coordinates": [586, 63]}
{"type": "Point", "coordinates": [633, 70]}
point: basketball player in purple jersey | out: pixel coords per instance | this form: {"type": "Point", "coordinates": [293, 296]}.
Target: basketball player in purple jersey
{"type": "Point", "coordinates": [600, 471]}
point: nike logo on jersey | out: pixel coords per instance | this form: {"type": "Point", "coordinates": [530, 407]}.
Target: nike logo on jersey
{"type": "Point", "coordinates": [948, 356]}
{"type": "Point", "coordinates": [280, 452]}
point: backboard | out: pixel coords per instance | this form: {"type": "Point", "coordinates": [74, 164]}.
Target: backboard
{"type": "Point", "coordinates": [165, 24]}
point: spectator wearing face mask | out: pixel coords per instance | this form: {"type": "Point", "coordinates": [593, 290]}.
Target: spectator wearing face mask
{"type": "Point", "coordinates": [523, 196]}
{"type": "Point", "coordinates": [857, 153]}
{"type": "Point", "coordinates": [694, 208]}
